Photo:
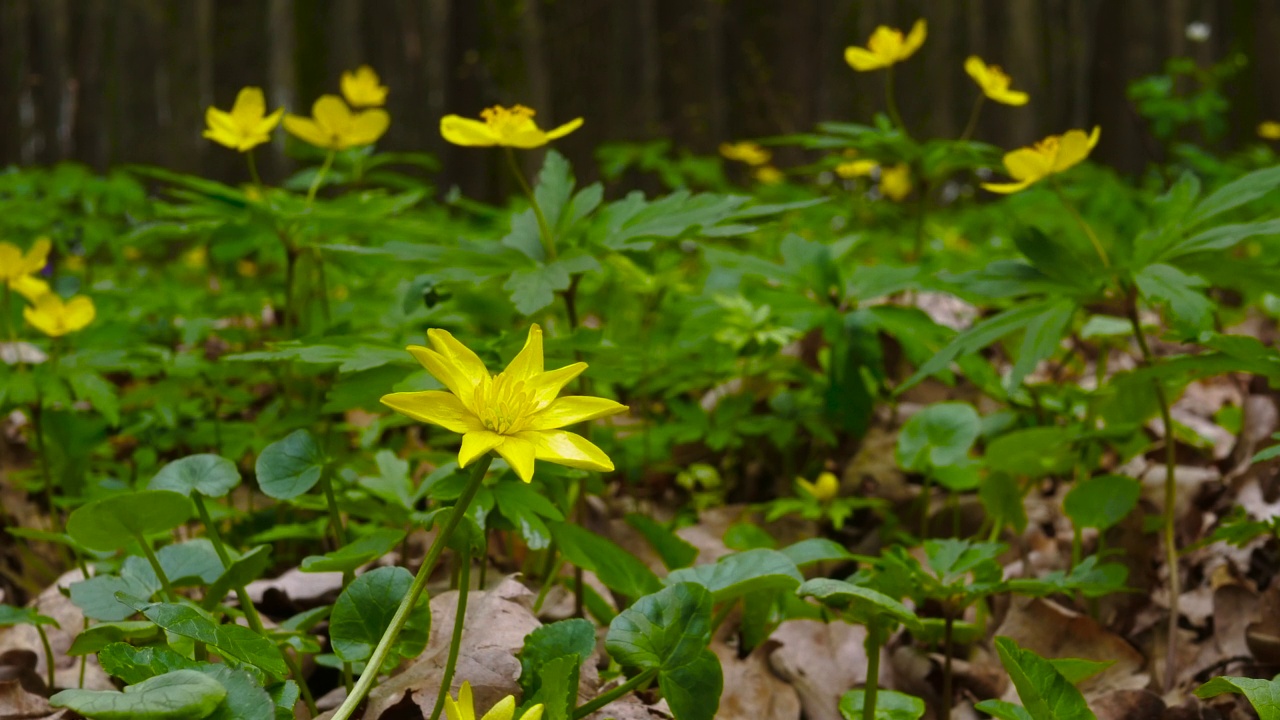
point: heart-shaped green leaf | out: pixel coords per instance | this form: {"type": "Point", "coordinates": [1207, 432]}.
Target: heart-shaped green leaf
{"type": "Point", "coordinates": [112, 523]}
{"type": "Point", "coordinates": [574, 638]}
{"type": "Point", "coordinates": [353, 555]}
{"type": "Point", "coordinates": [736, 575]}
{"type": "Point", "coordinates": [816, 550]}
{"type": "Point", "coordinates": [246, 700]}
{"type": "Point", "coordinates": [234, 641]}
{"type": "Point", "coordinates": [937, 436]}
{"type": "Point", "coordinates": [210, 475]}
{"type": "Point", "coordinates": [1101, 501]}
{"type": "Point", "coordinates": [177, 695]}
{"type": "Point", "coordinates": [364, 610]}
{"type": "Point", "coordinates": [290, 467]}
{"type": "Point", "coordinates": [96, 597]}
{"type": "Point", "coordinates": [693, 690]}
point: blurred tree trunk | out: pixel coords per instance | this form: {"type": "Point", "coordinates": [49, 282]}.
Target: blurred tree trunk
{"type": "Point", "coordinates": [15, 69]}
{"type": "Point", "coordinates": [282, 75]}
{"type": "Point", "coordinates": [53, 97]}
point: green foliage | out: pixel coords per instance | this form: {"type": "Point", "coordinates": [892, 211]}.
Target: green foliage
{"type": "Point", "coordinates": [176, 695]}
{"type": "Point", "coordinates": [1045, 693]}
{"type": "Point", "coordinates": [364, 611]}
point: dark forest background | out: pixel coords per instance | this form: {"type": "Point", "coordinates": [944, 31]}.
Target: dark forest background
{"type": "Point", "coordinates": [106, 82]}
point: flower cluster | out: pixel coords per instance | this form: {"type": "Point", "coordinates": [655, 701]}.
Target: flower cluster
{"type": "Point", "coordinates": [48, 312]}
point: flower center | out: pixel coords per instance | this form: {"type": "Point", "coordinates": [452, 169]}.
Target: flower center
{"type": "Point", "coordinates": [505, 121]}
{"type": "Point", "coordinates": [503, 403]}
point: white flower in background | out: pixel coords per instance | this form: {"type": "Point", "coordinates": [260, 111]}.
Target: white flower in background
{"type": "Point", "coordinates": [1198, 31]}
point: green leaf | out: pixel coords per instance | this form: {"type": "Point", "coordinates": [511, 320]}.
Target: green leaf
{"type": "Point", "coordinates": [951, 558]}
{"type": "Point", "coordinates": [861, 604]}
{"type": "Point", "coordinates": [525, 507]}
{"type": "Point", "coordinates": [1263, 695]}
{"type": "Point", "coordinates": [364, 610]}
{"type": "Point", "coordinates": [1180, 290]}
{"type": "Point", "coordinates": [1234, 194]}
{"type": "Point", "coordinates": [243, 570]}
{"type": "Point", "coordinates": [674, 551]}
{"type": "Point", "coordinates": [618, 569]}
{"type": "Point", "coordinates": [558, 689]}
{"type": "Point", "coordinates": [232, 641]}
{"type": "Point", "coordinates": [1002, 499]}
{"type": "Point", "coordinates": [667, 629]}
{"type": "Point", "coordinates": [96, 597]}
{"type": "Point", "coordinates": [1076, 670]}
{"type": "Point", "coordinates": [290, 467]}
{"type": "Point", "coordinates": [97, 637]}
{"type": "Point", "coordinates": [98, 392]}
{"type": "Point", "coordinates": [1044, 692]}
{"type": "Point", "coordinates": [352, 555]}
{"type": "Point", "coordinates": [1043, 335]}
{"type": "Point", "coordinates": [937, 436]}
{"type": "Point", "coordinates": [11, 615]}
{"type": "Point", "coordinates": [890, 705]}
{"type": "Point", "coordinates": [113, 522]}
{"type": "Point", "coordinates": [693, 690]}
{"type": "Point", "coordinates": [285, 696]}
{"type": "Point", "coordinates": [1218, 239]}
{"type": "Point", "coordinates": [1003, 710]}
{"type": "Point", "coordinates": [178, 695]}
{"type": "Point", "coordinates": [210, 475]}
{"type": "Point", "coordinates": [816, 550]}
{"type": "Point", "coordinates": [246, 700]}
{"type": "Point", "coordinates": [574, 637]}
{"type": "Point", "coordinates": [134, 665]}
{"type": "Point", "coordinates": [1102, 501]}
{"type": "Point", "coordinates": [193, 562]}
{"type": "Point", "coordinates": [1032, 452]}
{"type": "Point", "coordinates": [733, 576]}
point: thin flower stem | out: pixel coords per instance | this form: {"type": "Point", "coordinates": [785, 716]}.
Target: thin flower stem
{"type": "Point", "coordinates": [875, 639]}
{"type": "Point", "coordinates": [1170, 499]}
{"type": "Point", "coordinates": [544, 230]}
{"type": "Point", "coordinates": [459, 623]}
{"type": "Point", "coordinates": [380, 653]}
{"type": "Point", "coordinates": [150, 554]}
{"type": "Point", "coordinates": [947, 699]}
{"type": "Point", "coordinates": [549, 581]}
{"type": "Point", "coordinates": [891, 102]}
{"type": "Point", "coordinates": [37, 427]}
{"type": "Point", "coordinates": [251, 615]}
{"type": "Point", "coordinates": [48, 653]}
{"type": "Point", "coordinates": [335, 515]}
{"type": "Point", "coordinates": [634, 683]}
{"type": "Point", "coordinates": [253, 169]}
{"type": "Point", "coordinates": [324, 170]}
{"type": "Point", "coordinates": [295, 669]}
{"type": "Point", "coordinates": [972, 125]}
{"type": "Point", "coordinates": [1088, 230]}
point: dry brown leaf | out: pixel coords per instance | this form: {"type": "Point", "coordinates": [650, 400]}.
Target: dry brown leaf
{"type": "Point", "coordinates": [18, 704]}
{"type": "Point", "coordinates": [52, 603]}
{"type": "Point", "coordinates": [1128, 705]}
{"type": "Point", "coordinates": [751, 689]}
{"type": "Point", "coordinates": [821, 660]}
{"type": "Point", "coordinates": [632, 708]}
{"type": "Point", "coordinates": [298, 588]}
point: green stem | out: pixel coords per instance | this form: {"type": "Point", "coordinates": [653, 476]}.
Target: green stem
{"type": "Point", "coordinates": [1170, 499]}
{"type": "Point", "coordinates": [150, 554]}
{"type": "Point", "coordinates": [549, 581]}
{"type": "Point", "coordinates": [948, 628]}
{"type": "Point", "coordinates": [10, 331]}
{"type": "Point", "coordinates": [295, 669]}
{"type": "Point", "coordinates": [973, 119]}
{"type": "Point", "coordinates": [891, 102]}
{"type": "Point", "coordinates": [253, 169]}
{"type": "Point", "coordinates": [251, 615]}
{"type": "Point", "coordinates": [290, 273]}
{"type": "Point", "coordinates": [459, 622]}
{"type": "Point", "coordinates": [634, 683]}
{"type": "Point", "coordinates": [1088, 231]}
{"type": "Point", "coordinates": [322, 287]}
{"type": "Point", "coordinates": [335, 515]}
{"type": "Point", "coordinates": [380, 653]}
{"type": "Point", "coordinates": [315, 182]}
{"type": "Point", "coordinates": [872, 645]}
{"type": "Point", "coordinates": [37, 427]}
{"type": "Point", "coordinates": [544, 230]}
{"type": "Point", "coordinates": [48, 653]}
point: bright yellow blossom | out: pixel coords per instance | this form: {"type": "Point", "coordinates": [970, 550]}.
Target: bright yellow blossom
{"type": "Point", "coordinates": [769, 175]}
{"type": "Point", "coordinates": [993, 81]}
{"type": "Point", "coordinates": [246, 126]}
{"type": "Point", "coordinates": [333, 126]}
{"type": "Point", "coordinates": [895, 182]}
{"type": "Point", "coordinates": [51, 316]}
{"type": "Point", "coordinates": [515, 413]}
{"type": "Point", "coordinates": [745, 152]}
{"type": "Point", "coordinates": [464, 707]}
{"type": "Point", "coordinates": [507, 127]}
{"type": "Point", "coordinates": [825, 489]}
{"type": "Point", "coordinates": [18, 269]}
{"type": "Point", "coordinates": [856, 168]}
{"type": "Point", "coordinates": [886, 47]}
{"type": "Point", "coordinates": [1049, 156]}
{"type": "Point", "coordinates": [1269, 130]}
{"type": "Point", "coordinates": [363, 88]}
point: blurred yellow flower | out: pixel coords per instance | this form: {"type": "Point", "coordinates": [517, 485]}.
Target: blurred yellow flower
{"type": "Point", "coordinates": [856, 168]}
{"type": "Point", "coordinates": [363, 88]}
{"type": "Point", "coordinates": [333, 126]}
{"type": "Point", "coordinates": [1050, 156]}
{"type": "Point", "coordinates": [246, 268]}
{"type": "Point", "coordinates": [51, 316]}
{"type": "Point", "coordinates": [825, 489]}
{"type": "Point", "coordinates": [769, 175]}
{"type": "Point", "coordinates": [73, 263]}
{"type": "Point", "coordinates": [895, 182]}
{"type": "Point", "coordinates": [246, 126]}
{"type": "Point", "coordinates": [515, 413]}
{"type": "Point", "coordinates": [196, 257]}
{"type": "Point", "coordinates": [507, 127]}
{"type": "Point", "coordinates": [18, 269]}
{"type": "Point", "coordinates": [993, 81]}
{"type": "Point", "coordinates": [131, 253]}
{"type": "Point", "coordinates": [1269, 130]}
{"type": "Point", "coordinates": [745, 152]}
{"type": "Point", "coordinates": [886, 47]}
{"type": "Point", "coordinates": [464, 707]}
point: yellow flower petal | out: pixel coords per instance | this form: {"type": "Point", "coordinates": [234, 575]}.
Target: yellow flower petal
{"type": "Point", "coordinates": [435, 407]}
{"type": "Point", "coordinates": [533, 713]}
{"type": "Point", "coordinates": [573, 409]}
{"type": "Point", "coordinates": [464, 708]}
{"type": "Point", "coordinates": [475, 444]}
{"type": "Point", "coordinates": [78, 313]}
{"type": "Point", "coordinates": [504, 710]}
{"type": "Point", "coordinates": [564, 129]}
{"type": "Point", "coordinates": [976, 69]}
{"type": "Point", "coordinates": [366, 127]}
{"type": "Point", "coordinates": [1009, 97]}
{"type": "Point", "coordinates": [447, 373]}
{"type": "Point", "coordinates": [38, 256]}
{"type": "Point", "coordinates": [363, 88]}
{"type": "Point", "coordinates": [269, 123]}
{"type": "Point", "coordinates": [331, 112]}
{"type": "Point", "coordinates": [519, 453]}
{"type": "Point", "coordinates": [565, 448]}
{"type": "Point", "coordinates": [914, 39]}
{"type": "Point", "coordinates": [249, 108]}
{"type": "Point", "coordinates": [466, 364]}
{"type": "Point", "coordinates": [1074, 147]}
{"type": "Point", "coordinates": [529, 361]}
{"type": "Point", "coordinates": [307, 130]}
{"type": "Point", "coordinates": [1006, 188]}
{"type": "Point", "coordinates": [863, 60]}
{"type": "Point", "coordinates": [1028, 164]}
{"type": "Point", "coordinates": [467, 132]}
{"type": "Point", "coordinates": [547, 385]}
{"type": "Point", "coordinates": [29, 287]}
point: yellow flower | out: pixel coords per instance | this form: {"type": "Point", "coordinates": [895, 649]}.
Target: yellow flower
{"type": "Point", "coordinates": [1269, 130]}
{"type": "Point", "coordinates": [895, 182]}
{"type": "Point", "coordinates": [131, 253]}
{"type": "Point", "coordinates": [362, 88]}
{"type": "Point", "coordinates": [856, 168]}
{"type": "Point", "coordinates": [825, 489]}
{"type": "Point", "coordinates": [246, 126]}
{"type": "Point", "coordinates": [507, 127]}
{"type": "Point", "coordinates": [18, 269]}
{"type": "Point", "coordinates": [246, 268]}
{"type": "Point", "coordinates": [993, 81]}
{"type": "Point", "coordinates": [769, 175]}
{"type": "Point", "coordinates": [886, 47]}
{"type": "Point", "coordinates": [515, 412]}
{"type": "Point", "coordinates": [1049, 156]}
{"type": "Point", "coordinates": [196, 258]}
{"type": "Point", "coordinates": [333, 126]}
{"type": "Point", "coordinates": [745, 152]}
{"type": "Point", "coordinates": [464, 708]}
{"type": "Point", "coordinates": [73, 263]}
{"type": "Point", "coordinates": [55, 318]}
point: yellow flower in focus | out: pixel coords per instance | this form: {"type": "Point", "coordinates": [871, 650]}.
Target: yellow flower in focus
{"type": "Point", "coordinates": [515, 413]}
{"type": "Point", "coordinates": [1049, 156]}
{"type": "Point", "coordinates": [246, 268]}
{"type": "Point", "coordinates": [825, 489]}
{"type": "Point", "coordinates": [506, 127]}
{"type": "Point", "coordinates": [886, 47]}
{"type": "Point", "coordinates": [895, 182]}
{"type": "Point", "coordinates": [464, 707]}
{"type": "Point", "coordinates": [333, 126]}
{"type": "Point", "coordinates": [1269, 130]}
{"type": "Point", "coordinates": [51, 316]}
{"type": "Point", "coordinates": [769, 175]}
{"type": "Point", "coordinates": [856, 168]}
{"type": "Point", "coordinates": [363, 88]}
{"type": "Point", "coordinates": [18, 269]}
{"type": "Point", "coordinates": [745, 152]}
{"type": "Point", "coordinates": [993, 81]}
{"type": "Point", "coordinates": [246, 126]}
